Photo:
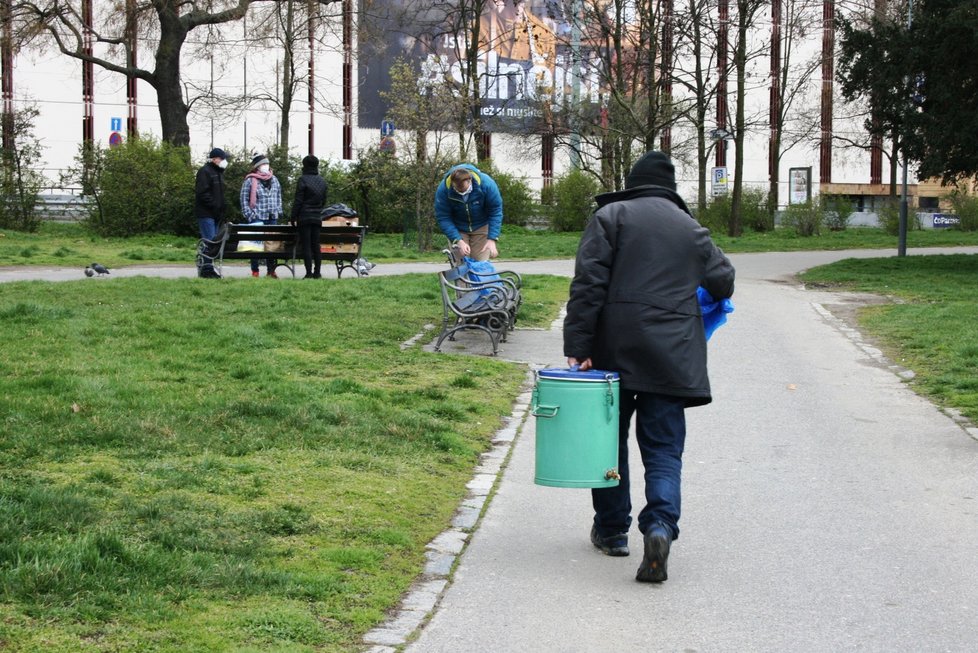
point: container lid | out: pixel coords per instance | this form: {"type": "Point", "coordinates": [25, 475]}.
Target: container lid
{"type": "Point", "coordinates": [568, 374]}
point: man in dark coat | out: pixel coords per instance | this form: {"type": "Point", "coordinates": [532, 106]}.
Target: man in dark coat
{"type": "Point", "coordinates": [209, 202]}
{"type": "Point", "coordinates": [633, 310]}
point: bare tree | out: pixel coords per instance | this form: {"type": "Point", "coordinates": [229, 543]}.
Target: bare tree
{"type": "Point", "coordinates": [614, 106]}
{"type": "Point", "coordinates": [745, 51]}
{"type": "Point", "coordinates": [443, 38]}
{"type": "Point", "coordinates": [416, 109]}
{"type": "Point", "coordinates": [167, 22]}
{"type": "Point", "coordinates": [793, 119]}
{"type": "Point", "coordinates": [297, 31]}
{"type": "Point", "coordinates": [696, 32]}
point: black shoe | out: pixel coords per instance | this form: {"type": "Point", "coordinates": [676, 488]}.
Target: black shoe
{"type": "Point", "coordinates": [653, 568]}
{"type": "Point", "coordinates": [613, 545]}
{"type": "Point", "coordinates": [209, 273]}
{"type": "Point", "coordinates": [316, 275]}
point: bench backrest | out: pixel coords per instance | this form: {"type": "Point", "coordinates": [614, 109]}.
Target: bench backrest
{"type": "Point", "coordinates": [261, 232]}
{"type": "Point", "coordinates": [341, 235]}
{"type": "Point", "coordinates": [456, 274]}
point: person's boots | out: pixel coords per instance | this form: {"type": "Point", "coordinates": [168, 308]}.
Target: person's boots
{"type": "Point", "coordinates": [657, 541]}
{"type": "Point", "coordinates": [612, 545]}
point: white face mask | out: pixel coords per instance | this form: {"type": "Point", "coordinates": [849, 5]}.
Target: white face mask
{"type": "Point", "coordinates": [223, 164]}
{"type": "Point", "coordinates": [263, 168]}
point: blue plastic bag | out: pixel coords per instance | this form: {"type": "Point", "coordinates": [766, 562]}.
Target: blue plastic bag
{"type": "Point", "coordinates": [484, 271]}
{"type": "Point", "coordinates": [714, 312]}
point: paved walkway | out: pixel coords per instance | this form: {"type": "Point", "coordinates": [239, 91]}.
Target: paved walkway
{"type": "Point", "coordinates": [827, 507]}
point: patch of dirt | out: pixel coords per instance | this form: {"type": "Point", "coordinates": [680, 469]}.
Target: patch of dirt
{"type": "Point", "coordinates": [851, 303]}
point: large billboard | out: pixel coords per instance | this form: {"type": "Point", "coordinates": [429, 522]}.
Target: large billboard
{"type": "Point", "coordinates": [525, 58]}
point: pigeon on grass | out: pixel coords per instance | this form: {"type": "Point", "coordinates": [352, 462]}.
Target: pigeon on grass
{"type": "Point", "coordinates": [101, 269]}
{"type": "Point", "coordinates": [89, 272]}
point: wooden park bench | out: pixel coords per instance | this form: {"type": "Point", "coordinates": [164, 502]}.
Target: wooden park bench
{"type": "Point", "coordinates": [472, 301]}
{"type": "Point", "coordinates": [342, 245]}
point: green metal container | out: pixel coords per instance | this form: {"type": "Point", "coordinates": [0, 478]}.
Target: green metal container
{"type": "Point", "coordinates": [577, 428]}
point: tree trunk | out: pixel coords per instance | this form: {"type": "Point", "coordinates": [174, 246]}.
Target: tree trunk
{"type": "Point", "coordinates": [700, 110]}
{"type": "Point", "coordinates": [166, 77]}
{"type": "Point", "coordinates": [735, 226]}
{"type": "Point", "coordinates": [288, 74]}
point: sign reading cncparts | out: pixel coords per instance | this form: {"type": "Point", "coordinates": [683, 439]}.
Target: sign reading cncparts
{"type": "Point", "coordinates": [945, 220]}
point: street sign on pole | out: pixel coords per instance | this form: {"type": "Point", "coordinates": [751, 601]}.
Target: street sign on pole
{"type": "Point", "coordinates": [115, 139]}
{"type": "Point", "coordinates": [719, 181]}
{"type": "Point", "coordinates": [387, 128]}
{"type": "Point", "coordinates": [115, 124]}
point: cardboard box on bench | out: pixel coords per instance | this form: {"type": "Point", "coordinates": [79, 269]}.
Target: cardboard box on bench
{"type": "Point", "coordinates": [339, 248]}
{"type": "Point", "coordinates": [340, 221]}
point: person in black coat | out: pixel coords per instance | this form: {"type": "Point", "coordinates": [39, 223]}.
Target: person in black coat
{"type": "Point", "coordinates": [209, 202]}
{"type": "Point", "coordinates": [307, 208]}
{"type": "Point", "coordinates": [633, 309]}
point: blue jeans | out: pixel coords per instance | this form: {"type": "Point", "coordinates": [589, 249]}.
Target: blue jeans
{"type": "Point", "coordinates": [660, 427]}
{"type": "Point", "coordinates": [208, 229]}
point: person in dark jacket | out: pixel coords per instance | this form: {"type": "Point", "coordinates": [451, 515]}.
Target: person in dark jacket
{"type": "Point", "coordinates": [209, 202]}
{"type": "Point", "coordinates": [307, 209]}
{"type": "Point", "coordinates": [633, 309]}
{"type": "Point", "coordinates": [469, 211]}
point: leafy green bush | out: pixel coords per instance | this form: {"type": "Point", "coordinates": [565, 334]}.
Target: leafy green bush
{"type": "Point", "coordinates": [384, 191]}
{"type": "Point", "coordinates": [339, 182]}
{"type": "Point", "coordinates": [146, 187]}
{"type": "Point", "coordinates": [806, 219]}
{"type": "Point", "coordinates": [573, 200]}
{"type": "Point", "coordinates": [547, 196]}
{"type": "Point", "coordinates": [838, 211]}
{"type": "Point", "coordinates": [754, 210]}
{"type": "Point", "coordinates": [889, 218]}
{"type": "Point", "coordinates": [965, 206]}
{"type": "Point", "coordinates": [518, 203]}
{"type": "Point", "coordinates": [20, 182]}
{"type": "Point", "coordinates": [715, 216]}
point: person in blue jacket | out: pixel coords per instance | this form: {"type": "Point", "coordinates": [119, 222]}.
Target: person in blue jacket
{"type": "Point", "coordinates": [469, 211]}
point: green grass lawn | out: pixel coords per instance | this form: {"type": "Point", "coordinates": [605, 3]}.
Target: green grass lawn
{"type": "Point", "coordinates": [933, 330]}
{"type": "Point", "coordinates": [191, 466]}
{"type": "Point", "coordinates": [195, 466]}
{"type": "Point", "coordinates": [70, 245]}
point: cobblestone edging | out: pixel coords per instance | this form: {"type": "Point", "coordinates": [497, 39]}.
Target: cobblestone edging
{"type": "Point", "coordinates": [443, 551]}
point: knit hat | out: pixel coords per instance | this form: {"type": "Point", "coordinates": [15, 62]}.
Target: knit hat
{"type": "Point", "coordinates": [654, 168]}
{"type": "Point", "coordinates": [310, 163]}
{"type": "Point", "coordinates": [217, 153]}
{"type": "Point", "coordinates": [259, 159]}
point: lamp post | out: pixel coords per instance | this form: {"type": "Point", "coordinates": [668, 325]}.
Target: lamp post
{"type": "Point", "coordinates": [902, 238]}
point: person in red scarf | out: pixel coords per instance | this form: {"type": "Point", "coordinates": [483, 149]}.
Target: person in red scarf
{"type": "Point", "coordinates": [261, 201]}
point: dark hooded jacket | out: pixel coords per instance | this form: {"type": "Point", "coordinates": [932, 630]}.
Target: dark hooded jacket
{"type": "Point", "coordinates": [633, 306]}
{"type": "Point", "coordinates": [310, 196]}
